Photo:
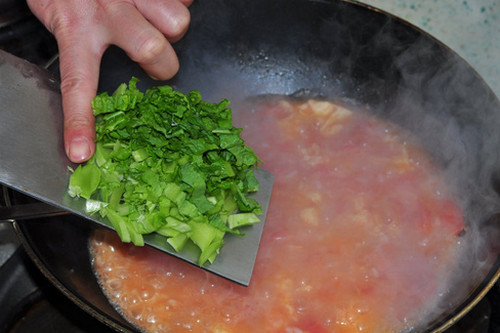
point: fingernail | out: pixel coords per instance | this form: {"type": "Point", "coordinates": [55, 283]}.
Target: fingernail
{"type": "Point", "coordinates": [79, 149]}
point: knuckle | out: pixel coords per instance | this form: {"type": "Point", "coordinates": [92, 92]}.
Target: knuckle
{"type": "Point", "coordinates": [150, 49]}
{"type": "Point", "coordinates": [79, 124]}
{"type": "Point", "coordinates": [78, 121]}
{"type": "Point", "coordinates": [180, 23]}
{"type": "Point", "coordinates": [61, 23]}
{"type": "Point", "coordinates": [64, 20]}
{"type": "Point", "coordinates": [71, 83]}
{"type": "Point", "coordinates": [76, 104]}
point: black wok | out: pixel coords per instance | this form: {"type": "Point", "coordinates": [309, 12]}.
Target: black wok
{"type": "Point", "coordinates": [343, 52]}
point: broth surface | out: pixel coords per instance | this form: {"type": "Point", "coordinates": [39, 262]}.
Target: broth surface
{"type": "Point", "coordinates": [361, 236]}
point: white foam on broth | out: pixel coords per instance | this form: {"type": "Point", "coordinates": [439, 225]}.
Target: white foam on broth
{"type": "Point", "coordinates": [361, 235]}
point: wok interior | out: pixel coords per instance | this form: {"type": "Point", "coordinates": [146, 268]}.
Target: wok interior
{"type": "Point", "coordinates": [341, 52]}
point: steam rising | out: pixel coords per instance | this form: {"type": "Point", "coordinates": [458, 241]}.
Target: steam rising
{"type": "Point", "coordinates": [456, 118]}
{"type": "Point", "coordinates": [350, 55]}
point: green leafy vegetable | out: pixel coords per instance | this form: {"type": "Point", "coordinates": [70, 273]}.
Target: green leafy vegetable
{"type": "Point", "coordinates": [169, 163]}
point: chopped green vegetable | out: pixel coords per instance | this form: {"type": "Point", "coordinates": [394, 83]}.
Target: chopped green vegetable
{"type": "Point", "coordinates": [84, 181]}
{"type": "Point", "coordinates": [169, 163]}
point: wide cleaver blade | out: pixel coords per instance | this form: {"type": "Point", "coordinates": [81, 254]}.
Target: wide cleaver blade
{"type": "Point", "coordinates": [33, 161]}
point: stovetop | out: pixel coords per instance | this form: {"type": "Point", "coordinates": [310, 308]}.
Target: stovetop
{"type": "Point", "coordinates": [28, 301]}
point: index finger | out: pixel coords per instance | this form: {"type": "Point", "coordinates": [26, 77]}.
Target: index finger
{"type": "Point", "coordinates": [79, 67]}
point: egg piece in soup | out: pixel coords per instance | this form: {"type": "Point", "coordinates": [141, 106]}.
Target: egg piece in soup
{"type": "Point", "coordinates": [361, 235]}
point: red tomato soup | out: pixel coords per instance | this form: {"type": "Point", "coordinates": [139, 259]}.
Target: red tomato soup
{"type": "Point", "coordinates": [361, 236]}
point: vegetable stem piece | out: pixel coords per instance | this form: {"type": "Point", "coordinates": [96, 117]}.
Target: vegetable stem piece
{"type": "Point", "coordinates": [170, 163]}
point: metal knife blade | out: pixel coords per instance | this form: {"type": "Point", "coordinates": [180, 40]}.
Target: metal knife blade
{"type": "Point", "coordinates": [33, 161]}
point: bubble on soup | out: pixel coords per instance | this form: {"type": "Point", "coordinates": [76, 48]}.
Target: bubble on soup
{"type": "Point", "coordinates": [361, 235]}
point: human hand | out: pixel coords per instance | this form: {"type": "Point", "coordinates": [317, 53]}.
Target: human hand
{"type": "Point", "coordinates": [84, 29]}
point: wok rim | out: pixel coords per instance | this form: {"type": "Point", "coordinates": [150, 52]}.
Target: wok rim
{"type": "Point", "coordinates": [427, 35]}
{"type": "Point", "coordinates": [470, 304]}
{"type": "Point", "coordinates": [74, 297]}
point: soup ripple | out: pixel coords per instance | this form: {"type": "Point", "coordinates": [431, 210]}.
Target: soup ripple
{"type": "Point", "coordinates": [361, 236]}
